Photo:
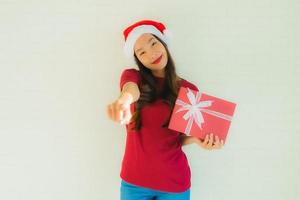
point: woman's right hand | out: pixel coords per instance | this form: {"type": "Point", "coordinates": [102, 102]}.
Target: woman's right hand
{"type": "Point", "coordinates": [119, 110]}
{"type": "Point", "coordinates": [209, 143]}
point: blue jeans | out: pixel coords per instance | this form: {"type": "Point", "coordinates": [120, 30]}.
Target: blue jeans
{"type": "Point", "coordinates": [134, 192]}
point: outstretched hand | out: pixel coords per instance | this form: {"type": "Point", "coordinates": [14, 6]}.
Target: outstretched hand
{"type": "Point", "coordinates": [119, 110]}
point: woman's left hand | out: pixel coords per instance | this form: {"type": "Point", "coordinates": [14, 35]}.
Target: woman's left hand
{"type": "Point", "coordinates": [209, 143]}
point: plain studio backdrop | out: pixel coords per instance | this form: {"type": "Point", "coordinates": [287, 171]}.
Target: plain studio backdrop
{"type": "Point", "coordinates": [61, 63]}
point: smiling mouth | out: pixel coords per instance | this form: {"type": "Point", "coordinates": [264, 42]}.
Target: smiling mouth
{"type": "Point", "coordinates": [157, 60]}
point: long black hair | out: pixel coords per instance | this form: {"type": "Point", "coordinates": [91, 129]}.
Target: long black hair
{"type": "Point", "coordinates": [149, 91]}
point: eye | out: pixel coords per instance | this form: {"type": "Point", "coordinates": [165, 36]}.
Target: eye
{"type": "Point", "coordinates": [153, 43]}
{"type": "Point", "coordinates": [142, 53]}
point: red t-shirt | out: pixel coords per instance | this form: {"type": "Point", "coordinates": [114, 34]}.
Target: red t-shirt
{"type": "Point", "coordinates": [153, 157]}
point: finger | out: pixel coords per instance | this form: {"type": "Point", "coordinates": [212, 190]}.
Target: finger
{"type": "Point", "coordinates": [222, 142]}
{"type": "Point", "coordinates": [121, 109]}
{"type": "Point", "coordinates": [121, 118]}
{"type": "Point", "coordinates": [205, 143]}
{"type": "Point", "coordinates": [127, 115]}
{"type": "Point", "coordinates": [108, 111]}
{"type": "Point", "coordinates": [112, 112]}
{"type": "Point", "coordinates": [118, 112]}
{"type": "Point", "coordinates": [217, 142]}
{"type": "Point", "coordinates": [206, 139]}
{"type": "Point", "coordinates": [211, 139]}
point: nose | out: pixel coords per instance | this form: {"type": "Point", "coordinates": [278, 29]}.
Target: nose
{"type": "Point", "coordinates": [154, 56]}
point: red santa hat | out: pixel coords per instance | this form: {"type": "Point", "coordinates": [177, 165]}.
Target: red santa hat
{"type": "Point", "coordinates": [134, 31]}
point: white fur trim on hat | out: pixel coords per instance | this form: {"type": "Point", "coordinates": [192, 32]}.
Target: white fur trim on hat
{"type": "Point", "coordinates": [137, 32]}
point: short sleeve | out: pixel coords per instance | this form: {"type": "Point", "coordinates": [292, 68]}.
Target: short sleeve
{"type": "Point", "coordinates": [190, 85]}
{"type": "Point", "coordinates": [131, 75]}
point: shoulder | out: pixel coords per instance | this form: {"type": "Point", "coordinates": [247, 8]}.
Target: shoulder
{"type": "Point", "coordinates": [130, 74]}
{"type": "Point", "coordinates": [186, 83]}
{"type": "Point", "coordinates": [130, 71]}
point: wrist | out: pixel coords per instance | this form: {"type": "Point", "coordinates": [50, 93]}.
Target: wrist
{"type": "Point", "coordinates": [188, 139]}
{"type": "Point", "coordinates": [126, 97]}
{"type": "Point", "coordinates": [192, 139]}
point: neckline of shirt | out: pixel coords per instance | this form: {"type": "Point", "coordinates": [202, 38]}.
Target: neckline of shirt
{"type": "Point", "coordinates": [163, 78]}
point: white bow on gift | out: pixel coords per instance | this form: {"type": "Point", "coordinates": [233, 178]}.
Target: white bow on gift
{"type": "Point", "coordinates": [194, 108]}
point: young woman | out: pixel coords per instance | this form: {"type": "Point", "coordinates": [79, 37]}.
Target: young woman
{"type": "Point", "coordinates": [154, 165]}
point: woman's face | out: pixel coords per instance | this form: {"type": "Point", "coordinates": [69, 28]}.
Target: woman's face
{"type": "Point", "coordinates": [151, 53]}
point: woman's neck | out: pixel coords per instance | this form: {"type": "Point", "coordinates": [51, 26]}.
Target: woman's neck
{"type": "Point", "coordinates": [159, 73]}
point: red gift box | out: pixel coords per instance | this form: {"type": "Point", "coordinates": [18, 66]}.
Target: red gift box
{"type": "Point", "coordinates": [198, 114]}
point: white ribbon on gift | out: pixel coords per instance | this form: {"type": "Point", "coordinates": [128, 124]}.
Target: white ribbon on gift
{"type": "Point", "coordinates": [194, 108]}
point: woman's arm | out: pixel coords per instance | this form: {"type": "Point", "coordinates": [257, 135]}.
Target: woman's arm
{"type": "Point", "coordinates": [130, 92]}
{"type": "Point", "coordinates": [119, 110]}
{"type": "Point", "coordinates": [185, 140]}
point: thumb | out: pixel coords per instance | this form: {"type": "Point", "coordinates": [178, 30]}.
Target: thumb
{"type": "Point", "coordinates": [125, 105]}
{"type": "Point", "coordinates": [127, 115]}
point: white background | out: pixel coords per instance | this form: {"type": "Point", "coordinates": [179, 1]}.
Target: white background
{"type": "Point", "coordinates": [60, 65]}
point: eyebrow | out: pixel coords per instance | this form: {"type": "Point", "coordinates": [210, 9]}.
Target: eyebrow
{"type": "Point", "coordinates": [141, 48]}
